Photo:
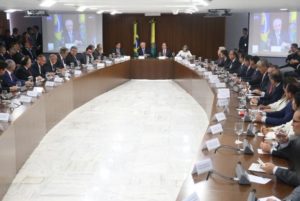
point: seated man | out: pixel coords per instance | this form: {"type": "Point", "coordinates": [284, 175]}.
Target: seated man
{"type": "Point", "coordinates": [38, 68]}
{"type": "Point", "coordinates": [98, 52]}
{"type": "Point", "coordinates": [23, 72]}
{"type": "Point", "coordinates": [9, 79]}
{"type": "Point", "coordinates": [165, 51]}
{"type": "Point", "coordinates": [117, 50]}
{"type": "Point", "coordinates": [251, 69]}
{"type": "Point", "coordinates": [51, 64]}
{"type": "Point", "coordinates": [234, 62]}
{"type": "Point", "coordinates": [289, 150]}
{"type": "Point", "coordinates": [87, 56]}
{"type": "Point", "coordinates": [3, 66]}
{"type": "Point", "coordinates": [72, 57]}
{"type": "Point", "coordinates": [292, 60]}
{"type": "Point", "coordinates": [143, 50]}
{"type": "Point", "coordinates": [283, 116]}
{"type": "Point", "coordinates": [2, 52]}
{"type": "Point", "coordinates": [61, 57]}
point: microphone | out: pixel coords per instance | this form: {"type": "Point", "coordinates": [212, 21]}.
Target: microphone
{"type": "Point", "coordinates": [251, 130]}
{"type": "Point", "coordinates": [242, 175]}
{"type": "Point", "coordinates": [247, 148]}
{"type": "Point", "coordinates": [252, 195]}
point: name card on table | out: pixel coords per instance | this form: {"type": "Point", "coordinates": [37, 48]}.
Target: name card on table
{"type": "Point", "coordinates": [220, 85]}
{"type": "Point", "coordinates": [213, 79]}
{"type": "Point", "coordinates": [202, 70]}
{"type": "Point", "coordinates": [90, 67]}
{"type": "Point", "coordinates": [58, 79]}
{"type": "Point", "coordinates": [178, 59]}
{"type": "Point", "coordinates": [220, 116]}
{"type": "Point", "coordinates": [4, 117]}
{"type": "Point", "coordinates": [77, 72]}
{"type": "Point", "coordinates": [162, 57]}
{"type": "Point", "coordinates": [192, 197]}
{"type": "Point", "coordinates": [223, 102]}
{"type": "Point", "coordinates": [39, 90]}
{"type": "Point", "coordinates": [25, 99]}
{"type": "Point", "coordinates": [203, 166]}
{"type": "Point", "coordinates": [215, 129]}
{"type": "Point", "coordinates": [141, 57]}
{"type": "Point", "coordinates": [192, 65]}
{"type": "Point", "coordinates": [126, 58]}
{"type": "Point", "coordinates": [32, 93]}
{"type": "Point", "coordinates": [223, 93]}
{"type": "Point", "coordinates": [212, 144]}
{"type": "Point", "coordinates": [207, 74]}
{"type": "Point", "coordinates": [50, 84]}
{"type": "Point", "coordinates": [100, 65]}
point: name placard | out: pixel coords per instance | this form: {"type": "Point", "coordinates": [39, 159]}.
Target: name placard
{"type": "Point", "coordinates": [50, 84]}
{"type": "Point", "coordinates": [220, 85]}
{"type": "Point", "coordinates": [32, 93]}
{"type": "Point", "coordinates": [4, 117]}
{"type": "Point", "coordinates": [25, 99]}
{"type": "Point", "coordinates": [212, 144]}
{"type": "Point", "coordinates": [77, 72]}
{"type": "Point", "coordinates": [220, 116]}
{"type": "Point", "coordinates": [223, 102]}
{"type": "Point", "coordinates": [100, 65]}
{"type": "Point", "coordinates": [141, 57]}
{"type": "Point", "coordinates": [215, 129]}
{"type": "Point", "coordinates": [162, 57]}
{"type": "Point", "coordinates": [223, 93]}
{"type": "Point", "coordinates": [203, 166]}
{"type": "Point", "coordinates": [58, 79]}
{"type": "Point", "coordinates": [38, 89]}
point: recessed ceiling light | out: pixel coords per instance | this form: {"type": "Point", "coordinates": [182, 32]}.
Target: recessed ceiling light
{"type": "Point", "coordinates": [47, 3]}
{"type": "Point", "coordinates": [69, 4]}
{"type": "Point", "coordinates": [114, 12]}
{"type": "Point", "coordinates": [284, 9]}
{"type": "Point", "coordinates": [100, 11]}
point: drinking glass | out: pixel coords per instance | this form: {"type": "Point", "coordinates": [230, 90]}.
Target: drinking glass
{"type": "Point", "coordinates": [238, 128]}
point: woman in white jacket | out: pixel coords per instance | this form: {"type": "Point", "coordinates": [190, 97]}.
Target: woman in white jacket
{"type": "Point", "coordinates": [184, 53]}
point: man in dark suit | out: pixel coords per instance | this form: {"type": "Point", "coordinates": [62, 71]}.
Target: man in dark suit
{"type": "Point", "coordinates": [143, 50]}
{"type": "Point", "coordinates": [275, 90]}
{"type": "Point", "coordinates": [117, 50]}
{"type": "Point", "coordinates": [27, 51]}
{"type": "Point", "coordinates": [37, 68]}
{"type": "Point", "coordinates": [293, 59]}
{"type": "Point", "coordinates": [294, 196]}
{"type": "Point", "coordinates": [61, 57]}
{"type": "Point", "coordinates": [243, 42]}
{"type": "Point", "coordinates": [165, 51]}
{"type": "Point", "coordinates": [235, 64]}
{"type": "Point", "coordinates": [288, 149]}
{"type": "Point", "coordinates": [51, 64]}
{"type": "Point", "coordinates": [87, 56]}
{"type": "Point", "coordinates": [70, 35]}
{"type": "Point", "coordinates": [3, 66]}
{"type": "Point", "coordinates": [2, 52]}
{"type": "Point", "coordinates": [23, 72]}
{"type": "Point", "coordinates": [263, 67]}
{"type": "Point", "coordinates": [9, 78]}
{"type": "Point", "coordinates": [72, 57]}
{"type": "Point", "coordinates": [38, 39]}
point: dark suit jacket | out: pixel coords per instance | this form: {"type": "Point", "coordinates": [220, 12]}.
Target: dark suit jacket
{"type": "Point", "coordinates": [22, 73]}
{"type": "Point", "coordinates": [272, 97]}
{"type": "Point", "coordinates": [242, 70]}
{"type": "Point", "coordinates": [35, 71]}
{"type": "Point", "coordinates": [264, 85]}
{"type": "Point", "coordinates": [255, 79]}
{"type": "Point", "coordinates": [83, 58]}
{"type": "Point", "coordinates": [227, 63]}
{"type": "Point", "coordinates": [2, 87]}
{"type": "Point", "coordinates": [60, 62]}
{"type": "Point", "coordinates": [9, 82]}
{"type": "Point", "coordinates": [2, 57]}
{"type": "Point", "coordinates": [146, 51]}
{"type": "Point", "coordinates": [283, 38]}
{"type": "Point", "coordinates": [280, 117]}
{"type": "Point", "coordinates": [234, 66]}
{"type": "Point", "coordinates": [48, 67]}
{"type": "Point", "coordinates": [114, 51]}
{"type": "Point", "coordinates": [168, 53]}
{"type": "Point", "coordinates": [97, 54]}
{"type": "Point", "coordinates": [29, 52]}
{"type": "Point", "coordinates": [243, 44]}
{"type": "Point", "coordinates": [248, 74]}
{"type": "Point", "coordinates": [18, 57]}
{"type": "Point", "coordinates": [71, 59]}
{"type": "Point", "coordinates": [292, 153]}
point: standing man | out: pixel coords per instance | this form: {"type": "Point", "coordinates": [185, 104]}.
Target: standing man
{"type": "Point", "coordinates": [244, 40]}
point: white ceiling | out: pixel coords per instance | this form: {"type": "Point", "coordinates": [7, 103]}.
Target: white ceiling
{"type": "Point", "coordinates": [153, 6]}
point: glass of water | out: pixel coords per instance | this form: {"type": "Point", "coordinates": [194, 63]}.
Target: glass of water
{"type": "Point", "coordinates": [238, 129]}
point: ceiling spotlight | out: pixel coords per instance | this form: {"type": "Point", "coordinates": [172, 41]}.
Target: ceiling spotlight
{"type": "Point", "coordinates": [47, 3]}
{"type": "Point", "coordinates": [175, 12]}
{"type": "Point", "coordinates": [100, 11]}
{"type": "Point", "coordinates": [114, 12]}
{"type": "Point", "coordinates": [81, 8]}
{"type": "Point", "coordinates": [284, 9]}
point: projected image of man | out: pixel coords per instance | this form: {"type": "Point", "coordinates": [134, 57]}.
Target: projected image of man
{"type": "Point", "coordinates": [278, 37]}
{"type": "Point", "coordinates": [71, 36]}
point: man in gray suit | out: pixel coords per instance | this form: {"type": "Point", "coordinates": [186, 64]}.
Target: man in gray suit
{"type": "Point", "coordinates": [294, 196]}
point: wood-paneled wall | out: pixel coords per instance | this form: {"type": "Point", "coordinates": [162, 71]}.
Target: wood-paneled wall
{"type": "Point", "coordinates": [4, 23]}
{"type": "Point", "coordinates": [202, 35]}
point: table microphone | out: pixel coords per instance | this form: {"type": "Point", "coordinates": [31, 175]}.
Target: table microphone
{"type": "Point", "coordinates": [252, 195]}
{"type": "Point", "coordinates": [242, 175]}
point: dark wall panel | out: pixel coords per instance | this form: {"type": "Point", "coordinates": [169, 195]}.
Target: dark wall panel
{"type": "Point", "coordinates": [202, 35]}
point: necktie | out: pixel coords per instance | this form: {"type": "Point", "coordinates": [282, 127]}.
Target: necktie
{"type": "Point", "coordinates": [270, 89]}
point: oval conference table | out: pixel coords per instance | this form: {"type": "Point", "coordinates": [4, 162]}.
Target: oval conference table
{"type": "Point", "coordinates": [29, 123]}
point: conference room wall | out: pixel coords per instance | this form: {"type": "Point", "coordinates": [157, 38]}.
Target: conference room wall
{"type": "Point", "coordinates": [18, 20]}
{"type": "Point", "coordinates": [4, 23]}
{"type": "Point", "coordinates": [202, 35]}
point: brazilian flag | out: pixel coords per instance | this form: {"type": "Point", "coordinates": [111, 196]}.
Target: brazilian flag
{"type": "Point", "coordinates": [136, 40]}
{"type": "Point", "coordinates": [153, 45]}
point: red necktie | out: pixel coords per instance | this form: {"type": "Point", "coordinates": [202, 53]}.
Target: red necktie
{"type": "Point", "coordinates": [270, 89]}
